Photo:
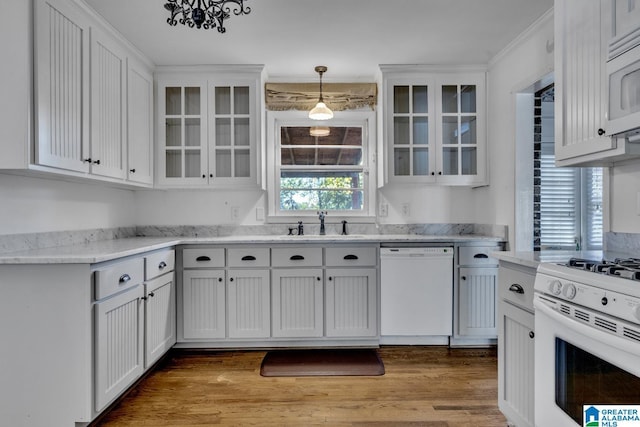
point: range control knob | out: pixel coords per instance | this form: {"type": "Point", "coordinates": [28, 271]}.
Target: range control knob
{"type": "Point", "coordinates": [569, 290]}
{"type": "Point", "coordinates": [555, 287]}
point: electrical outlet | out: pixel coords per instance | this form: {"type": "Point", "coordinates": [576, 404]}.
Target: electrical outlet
{"type": "Point", "coordinates": [406, 209]}
{"type": "Point", "coordinates": [235, 213]}
{"type": "Point", "coordinates": [383, 209]}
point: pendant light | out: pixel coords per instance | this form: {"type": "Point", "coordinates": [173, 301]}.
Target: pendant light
{"type": "Point", "coordinates": [321, 111]}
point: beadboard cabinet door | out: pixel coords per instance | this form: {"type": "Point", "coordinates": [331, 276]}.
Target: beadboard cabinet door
{"type": "Point", "coordinates": [581, 102]}
{"type": "Point", "coordinates": [249, 303]}
{"type": "Point", "coordinates": [62, 85]}
{"type": "Point", "coordinates": [297, 302]}
{"type": "Point", "coordinates": [139, 123]}
{"type": "Point", "coordinates": [203, 304]}
{"type": "Point", "coordinates": [108, 106]}
{"type": "Point", "coordinates": [119, 344]}
{"type": "Point", "coordinates": [160, 317]}
{"type": "Point", "coordinates": [477, 304]}
{"type": "Point", "coordinates": [351, 302]}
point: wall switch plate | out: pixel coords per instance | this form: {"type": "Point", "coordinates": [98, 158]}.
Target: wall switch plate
{"type": "Point", "coordinates": [406, 209]}
{"type": "Point", "coordinates": [383, 209]}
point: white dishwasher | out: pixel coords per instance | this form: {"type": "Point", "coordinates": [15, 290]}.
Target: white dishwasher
{"type": "Point", "coordinates": [416, 295]}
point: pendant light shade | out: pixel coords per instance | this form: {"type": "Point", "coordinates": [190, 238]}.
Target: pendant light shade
{"type": "Point", "coordinates": [321, 111]}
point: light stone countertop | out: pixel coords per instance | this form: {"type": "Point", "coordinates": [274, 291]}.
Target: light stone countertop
{"type": "Point", "coordinates": [107, 250]}
{"type": "Point", "coordinates": [533, 259]}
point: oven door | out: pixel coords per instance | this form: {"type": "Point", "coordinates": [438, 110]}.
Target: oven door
{"type": "Point", "coordinates": [577, 364]}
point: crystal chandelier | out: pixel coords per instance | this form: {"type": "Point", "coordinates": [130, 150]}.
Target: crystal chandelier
{"type": "Point", "coordinates": [207, 14]}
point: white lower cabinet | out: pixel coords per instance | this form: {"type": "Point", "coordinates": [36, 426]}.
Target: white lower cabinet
{"type": "Point", "coordinates": [160, 317]}
{"type": "Point", "coordinates": [249, 303]}
{"type": "Point", "coordinates": [297, 306]}
{"type": "Point", "coordinates": [119, 344]}
{"type": "Point", "coordinates": [351, 302]}
{"type": "Point", "coordinates": [516, 371]}
{"type": "Point", "coordinates": [477, 314]}
{"type": "Point", "coordinates": [203, 304]}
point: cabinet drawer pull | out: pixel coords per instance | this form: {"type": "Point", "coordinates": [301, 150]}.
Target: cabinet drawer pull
{"type": "Point", "coordinates": [531, 334]}
{"type": "Point", "coordinates": [162, 265]}
{"type": "Point", "coordinates": [483, 256]}
{"type": "Point", "coordinates": [248, 258]}
{"type": "Point", "coordinates": [124, 278]}
{"type": "Point", "coordinates": [601, 132]}
{"type": "Point", "coordinates": [296, 258]}
{"type": "Point", "coordinates": [203, 258]}
{"type": "Point", "coordinates": [516, 288]}
{"type": "Point", "coordinates": [351, 257]}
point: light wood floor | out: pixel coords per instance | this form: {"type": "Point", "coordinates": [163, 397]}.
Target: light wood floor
{"type": "Point", "coordinates": [422, 386]}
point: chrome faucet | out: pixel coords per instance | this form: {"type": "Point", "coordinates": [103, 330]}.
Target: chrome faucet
{"type": "Point", "coordinates": [321, 215]}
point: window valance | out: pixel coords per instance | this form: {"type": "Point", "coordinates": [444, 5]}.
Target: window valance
{"type": "Point", "coordinates": [337, 96]}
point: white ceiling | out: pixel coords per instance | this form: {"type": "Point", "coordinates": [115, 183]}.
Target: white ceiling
{"type": "Point", "coordinates": [351, 37]}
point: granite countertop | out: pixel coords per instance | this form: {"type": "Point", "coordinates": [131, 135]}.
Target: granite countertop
{"type": "Point", "coordinates": [532, 259]}
{"type": "Point", "coordinates": [106, 250]}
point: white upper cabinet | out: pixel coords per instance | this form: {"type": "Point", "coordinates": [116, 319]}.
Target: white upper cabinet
{"type": "Point", "coordinates": [62, 86]}
{"type": "Point", "coordinates": [108, 106]}
{"type": "Point", "coordinates": [93, 97]}
{"type": "Point", "coordinates": [582, 30]}
{"type": "Point", "coordinates": [139, 123]}
{"type": "Point", "coordinates": [435, 126]}
{"type": "Point", "coordinates": [208, 126]}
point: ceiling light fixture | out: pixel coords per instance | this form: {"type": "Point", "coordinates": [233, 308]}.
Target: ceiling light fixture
{"type": "Point", "coordinates": [319, 131]}
{"type": "Point", "coordinates": [321, 111]}
{"type": "Point", "coordinates": [207, 14]}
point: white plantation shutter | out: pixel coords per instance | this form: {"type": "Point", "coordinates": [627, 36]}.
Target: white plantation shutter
{"type": "Point", "coordinates": [570, 205]}
{"type": "Point", "coordinates": [559, 205]}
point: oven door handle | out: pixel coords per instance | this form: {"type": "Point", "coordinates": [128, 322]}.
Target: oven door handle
{"type": "Point", "coordinates": [611, 341]}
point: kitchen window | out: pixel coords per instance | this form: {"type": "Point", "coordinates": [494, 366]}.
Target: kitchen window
{"type": "Point", "coordinates": [567, 201]}
{"type": "Point", "coordinates": [315, 172]}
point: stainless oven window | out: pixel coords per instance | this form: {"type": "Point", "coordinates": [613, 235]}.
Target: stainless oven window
{"type": "Point", "coordinates": [584, 379]}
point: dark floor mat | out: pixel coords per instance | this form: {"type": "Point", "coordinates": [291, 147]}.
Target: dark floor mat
{"type": "Point", "coordinates": [321, 362]}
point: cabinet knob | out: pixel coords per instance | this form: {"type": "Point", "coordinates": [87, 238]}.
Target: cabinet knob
{"type": "Point", "coordinates": [88, 160]}
{"type": "Point", "coordinates": [219, 279]}
{"type": "Point", "coordinates": [210, 175]}
{"type": "Point", "coordinates": [601, 132]}
{"type": "Point", "coordinates": [531, 334]}
{"type": "Point", "coordinates": [132, 170]}
{"type": "Point", "coordinates": [440, 173]}
{"type": "Point", "coordinates": [204, 176]}
{"type": "Point", "coordinates": [330, 278]}
{"type": "Point", "coordinates": [318, 279]}
{"type": "Point", "coordinates": [433, 173]}
{"type": "Point", "coordinates": [151, 294]}
{"type": "Point", "coordinates": [231, 279]}
{"type": "Point", "coordinates": [464, 277]}
{"type": "Point", "coordinates": [96, 162]}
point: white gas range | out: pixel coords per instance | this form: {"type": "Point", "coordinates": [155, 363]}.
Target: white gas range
{"type": "Point", "coordinates": [587, 350]}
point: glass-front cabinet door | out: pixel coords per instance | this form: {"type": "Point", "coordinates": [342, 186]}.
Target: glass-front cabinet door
{"type": "Point", "coordinates": [435, 130]}
{"type": "Point", "coordinates": [208, 126]}
{"type": "Point", "coordinates": [183, 134]}
{"type": "Point", "coordinates": [411, 139]}
{"type": "Point", "coordinates": [232, 132]}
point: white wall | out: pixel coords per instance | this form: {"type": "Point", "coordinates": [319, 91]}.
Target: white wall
{"type": "Point", "coordinates": [32, 205]}
{"type": "Point", "coordinates": [524, 62]}
{"type": "Point", "coordinates": [197, 207]}
{"type": "Point", "coordinates": [624, 194]}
